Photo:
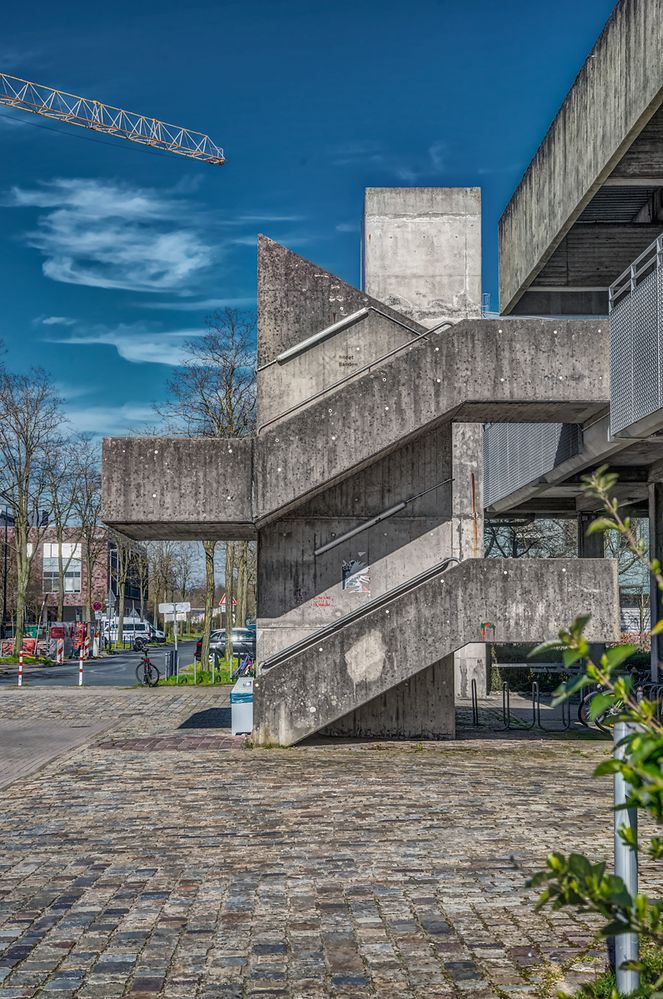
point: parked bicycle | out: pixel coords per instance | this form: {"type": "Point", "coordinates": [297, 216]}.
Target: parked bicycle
{"type": "Point", "coordinates": [606, 719]}
{"type": "Point", "coordinates": [245, 667]}
{"type": "Point", "coordinates": [146, 672]}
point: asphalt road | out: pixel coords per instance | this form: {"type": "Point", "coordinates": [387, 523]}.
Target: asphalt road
{"type": "Point", "coordinates": [114, 671]}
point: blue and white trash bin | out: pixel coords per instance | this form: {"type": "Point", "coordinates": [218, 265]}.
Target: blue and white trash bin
{"type": "Point", "coordinates": [241, 706]}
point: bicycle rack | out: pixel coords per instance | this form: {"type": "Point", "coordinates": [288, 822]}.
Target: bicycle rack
{"type": "Point", "coordinates": [475, 703]}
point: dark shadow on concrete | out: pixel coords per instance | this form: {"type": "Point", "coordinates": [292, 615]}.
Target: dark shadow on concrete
{"type": "Point", "coordinates": [211, 718]}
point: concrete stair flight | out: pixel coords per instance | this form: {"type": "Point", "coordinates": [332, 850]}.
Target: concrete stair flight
{"type": "Point", "coordinates": [315, 683]}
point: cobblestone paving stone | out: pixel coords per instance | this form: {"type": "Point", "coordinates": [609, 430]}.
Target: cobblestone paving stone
{"type": "Point", "coordinates": [344, 870]}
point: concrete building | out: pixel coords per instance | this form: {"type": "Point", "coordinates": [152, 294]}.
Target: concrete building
{"type": "Point", "coordinates": [393, 419]}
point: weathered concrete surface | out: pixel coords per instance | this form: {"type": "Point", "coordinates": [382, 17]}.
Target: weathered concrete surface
{"type": "Point", "coordinates": [299, 592]}
{"type": "Point", "coordinates": [174, 487]}
{"type": "Point", "coordinates": [422, 255]}
{"type": "Point", "coordinates": [524, 600]}
{"type": "Point", "coordinates": [422, 707]}
{"type": "Point", "coordinates": [296, 299]}
{"type": "Point", "coordinates": [616, 93]}
{"type": "Point", "coordinates": [422, 250]}
{"type": "Point", "coordinates": [479, 370]}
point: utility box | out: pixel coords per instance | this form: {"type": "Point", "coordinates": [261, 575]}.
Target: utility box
{"type": "Point", "coordinates": [241, 706]}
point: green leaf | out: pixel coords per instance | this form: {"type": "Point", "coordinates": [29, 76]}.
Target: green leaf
{"type": "Point", "coordinates": [618, 654]}
{"type": "Point", "coordinates": [598, 704]}
{"type": "Point", "coordinates": [601, 524]}
{"type": "Point", "coordinates": [658, 628]}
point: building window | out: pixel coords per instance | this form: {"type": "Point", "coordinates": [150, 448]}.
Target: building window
{"type": "Point", "coordinates": [71, 562]}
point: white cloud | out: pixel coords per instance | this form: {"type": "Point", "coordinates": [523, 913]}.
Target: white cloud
{"type": "Point", "coordinates": [104, 234]}
{"type": "Point", "coordinates": [203, 304]}
{"type": "Point", "coordinates": [356, 152]}
{"type": "Point", "coordinates": [347, 227]}
{"type": "Point", "coordinates": [136, 343]}
{"type": "Point", "coordinates": [55, 321]}
{"type": "Point", "coordinates": [110, 420]}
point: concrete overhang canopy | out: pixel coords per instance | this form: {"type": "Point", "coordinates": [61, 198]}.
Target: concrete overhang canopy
{"type": "Point", "coordinates": [591, 199]}
{"type": "Point", "coordinates": [156, 488]}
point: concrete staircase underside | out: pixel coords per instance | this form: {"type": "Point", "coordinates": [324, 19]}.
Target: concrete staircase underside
{"type": "Point", "coordinates": [503, 601]}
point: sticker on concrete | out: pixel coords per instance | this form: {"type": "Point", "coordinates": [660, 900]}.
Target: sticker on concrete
{"type": "Point", "coordinates": [487, 631]}
{"type": "Point", "coordinates": [364, 661]}
{"type": "Point", "coordinates": [356, 574]}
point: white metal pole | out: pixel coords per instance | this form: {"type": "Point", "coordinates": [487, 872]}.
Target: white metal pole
{"type": "Point", "coordinates": [177, 658]}
{"type": "Point", "coordinates": [626, 868]}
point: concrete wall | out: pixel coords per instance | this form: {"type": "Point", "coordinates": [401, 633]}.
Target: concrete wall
{"type": "Point", "coordinates": [302, 592]}
{"type": "Point", "coordinates": [615, 94]}
{"type": "Point", "coordinates": [422, 254]}
{"type": "Point", "coordinates": [173, 487]}
{"type": "Point", "coordinates": [422, 251]}
{"type": "Point", "coordinates": [524, 599]}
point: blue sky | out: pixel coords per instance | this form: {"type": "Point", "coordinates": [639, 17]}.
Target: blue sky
{"type": "Point", "coordinates": [111, 256]}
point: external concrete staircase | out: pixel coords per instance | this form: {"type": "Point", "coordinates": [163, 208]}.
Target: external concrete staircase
{"type": "Point", "coordinates": [475, 372]}
{"type": "Point", "coordinates": [309, 686]}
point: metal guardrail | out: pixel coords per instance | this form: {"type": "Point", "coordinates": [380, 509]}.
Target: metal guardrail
{"type": "Point", "coordinates": [417, 338]}
{"type": "Point", "coordinates": [372, 605]}
{"type": "Point", "coordinates": [636, 345]}
{"type": "Point", "coordinates": [636, 272]}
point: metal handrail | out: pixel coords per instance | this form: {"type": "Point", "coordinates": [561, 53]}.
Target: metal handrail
{"type": "Point", "coordinates": [360, 371]}
{"type": "Point", "coordinates": [628, 280]}
{"type": "Point", "coordinates": [318, 636]}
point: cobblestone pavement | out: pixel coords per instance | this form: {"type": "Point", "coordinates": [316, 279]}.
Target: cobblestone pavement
{"type": "Point", "coordinates": [169, 861]}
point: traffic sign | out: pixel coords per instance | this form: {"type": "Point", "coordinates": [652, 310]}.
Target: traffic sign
{"type": "Point", "coordinates": [96, 606]}
{"type": "Point", "coordinates": [222, 601]}
{"type": "Point", "coordinates": [178, 607]}
{"type": "Point", "coordinates": [175, 617]}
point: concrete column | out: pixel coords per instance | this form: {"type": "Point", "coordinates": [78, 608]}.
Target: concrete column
{"type": "Point", "coordinates": [470, 663]}
{"type": "Point", "coordinates": [591, 546]}
{"type": "Point", "coordinates": [655, 551]}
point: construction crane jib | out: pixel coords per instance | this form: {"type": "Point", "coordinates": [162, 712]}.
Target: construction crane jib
{"type": "Point", "coordinates": [58, 104]}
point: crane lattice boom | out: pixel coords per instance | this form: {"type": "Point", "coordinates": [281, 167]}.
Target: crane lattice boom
{"type": "Point", "coordinates": [100, 117]}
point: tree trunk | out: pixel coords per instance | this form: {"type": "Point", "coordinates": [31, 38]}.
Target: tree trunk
{"type": "Point", "coordinates": [230, 594]}
{"type": "Point", "coordinates": [121, 586]}
{"type": "Point", "coordinates": [89, 569]}
{"type": "Point", "coordinates": [242, 582]}
{"type": "Point", "coordinates": [22, 582]}
{"type": "Point", "coordinates": [208, 548]}
{"type": "Point", "coordinates": [61, 571]}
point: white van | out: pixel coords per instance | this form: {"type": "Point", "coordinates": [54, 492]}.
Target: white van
{"type": "Point", "coordinates": [133, 628]}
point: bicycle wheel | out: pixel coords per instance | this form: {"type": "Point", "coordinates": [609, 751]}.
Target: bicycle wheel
{"type": "Point", "coordinates": [140, 672]}
{"type": "Point", "coordinates": [151, 675]}
{"type": "Point", "coordinates": [583, 709]}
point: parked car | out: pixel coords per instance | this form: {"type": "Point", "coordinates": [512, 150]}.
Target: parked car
{"type": "Point", "coordinates": [156, 635]}
{"type": "Point", "coordinates": [244, 642]}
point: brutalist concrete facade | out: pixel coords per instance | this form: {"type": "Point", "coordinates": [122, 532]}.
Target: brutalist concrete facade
{"type": "Point", "coordinates": [365, 411]}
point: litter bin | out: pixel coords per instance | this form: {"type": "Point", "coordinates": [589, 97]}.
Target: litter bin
{"type": "Point", "coordinates": [241, 706]}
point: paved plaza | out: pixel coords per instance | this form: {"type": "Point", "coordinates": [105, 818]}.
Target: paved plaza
{"type": "Point", "coordinates": [163, 858]}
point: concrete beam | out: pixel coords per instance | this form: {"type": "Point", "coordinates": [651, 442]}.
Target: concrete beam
{"type": "Point", "coordinates": [478, 371]}
{"type": "Point", "coordinates": [177, 488]}
{"type": "Point", "coordinates": [523, 600]}
{"type": "Point", "coordinates": [615, 95]}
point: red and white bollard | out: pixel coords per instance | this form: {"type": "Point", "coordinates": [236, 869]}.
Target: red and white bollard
{"type": "Point", "coordinates": [59, 655]}
{"type": "Point", "coordinates": [87, 647]}
{"type": "Point", "coordinates": [20, 669]}
{"type": "Point", "coordinates": [80, 666]}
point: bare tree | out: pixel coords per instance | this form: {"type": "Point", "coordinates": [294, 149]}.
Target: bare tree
{"type": "Point", "coordinates": [87, 511]}
{"type": "Point", "coordinates": [61, 479]}
{"type": "Point", "coordinates": [30, 415]}
{"type": "Point", "coordinates": [123, 553]}
{"type": "Point", "coordinates": [530, 539]}
{"type": "Point", "coordinates": [213, 395]}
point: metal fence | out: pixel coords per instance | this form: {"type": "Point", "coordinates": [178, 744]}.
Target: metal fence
{"type": "Point", "coordinates": [636, 344]}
